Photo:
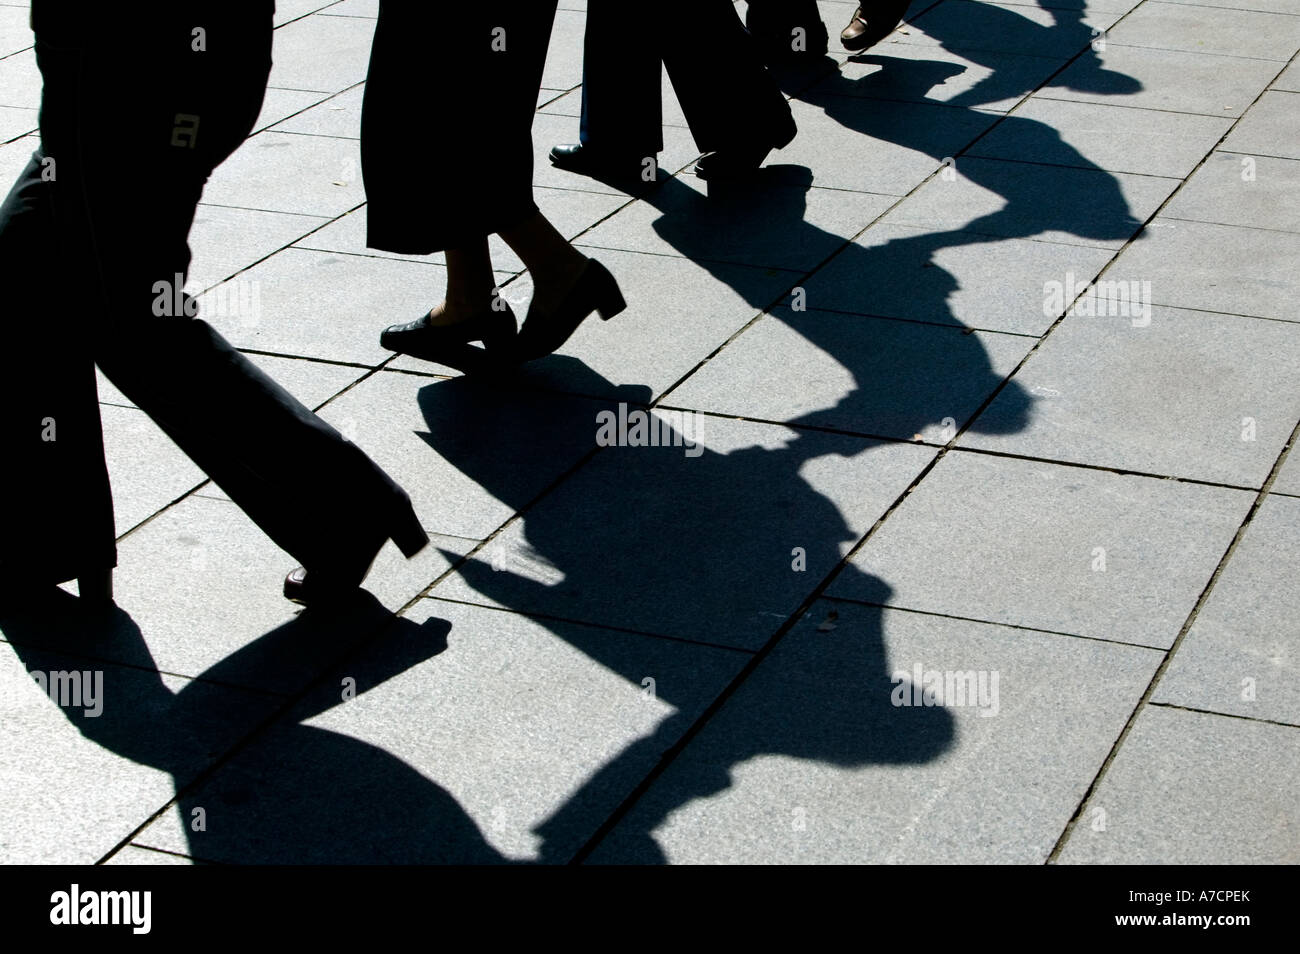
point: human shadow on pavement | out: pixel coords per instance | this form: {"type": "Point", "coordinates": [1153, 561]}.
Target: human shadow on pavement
{"type": "Point", "coordinates": [297, 794]}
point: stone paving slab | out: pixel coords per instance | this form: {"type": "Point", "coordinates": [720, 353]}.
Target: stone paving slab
{"type": "Point", "coordinates": [767, 222]}
{"type": "Point", "coordinates": [77, 781]}
{"type": "Point", "coordinates": [224, 241]}
{"type": "Point", "coordinates": [926, 74]}
{"type": "Point", "coordinates": [1232, 189]}
{"type": "Point", "coordinates": [325, 54]}
{"type": "Point", "coordinates": [1007, 28]}
{"type": "Point", "coordinates": [876, 377]}
{"type": "Point", "coordinates": [147, 471]}
{"type": "Point", "coordinates": [1026, 200]}
{"type": "Point", "coordinates": [1191, 394]}
{"type": "Point", "coordinates": [280, 104]}
{"type": "Point", "coordinates": [459, 746]}
{"type": "Point", "coordinates": [1290, 78]}
{"type": "Point", "coordinates": [1172, 80]}
{"type": "Point", "coordinates": [15, 31]}
{"type": "Point", "coordinates": [329, 306]}
{"type": "Point", "coordinates": [16, 121]}
{"type": "Point", "coordinates": [20, 81]}
{"type": "Point", "coordinates": [1050, 547]}
{"type": "Point", "coordinates": [953, 278]}
{"type": "Point", "coordinates": [777, 508]}
{"type": "Point", "coordinates": [1288, 479]}
{"type": "Point", "coordinates": [1198, 29]}
{"type": "Point", "coordinates": [1240, 656]}
{"type": "Point", "coordinates": [1266, 6]}
{"type": "Point", "coordinates": [1191, 788]}
{"type": "Point", "coordinates": [1099, 135]}
{"type": "Point", "coordinates": [1223, 268]}
{"type": "Point", "coordinates": [811, 763]}
{"type": "Point", "coordinates": [468, 454]}
{"type": "Point", "coordinates": [882, 147]}
{"type": "Point", "coordinates": [339, 116]}
{"type": "Point", "coordinates": [282, 172]}
{"type": "Point", "coordinates": [1271, 128]}
{"type": "Point", "coordinates": [131, 855]}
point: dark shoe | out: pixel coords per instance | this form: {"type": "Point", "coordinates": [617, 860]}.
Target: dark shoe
{"type": "Point", "coordinates": [449, 344]}
{"type": "Point", "coordinates": [333, 584]}
{"type": "Point", "coordinates": [595, 290]}
{"type": "Point", "coordinates": [598, 164]}
{"type": "Point", "coordinates": [738, 162]}
{"type": "Point", "coordinates": [868, 28]}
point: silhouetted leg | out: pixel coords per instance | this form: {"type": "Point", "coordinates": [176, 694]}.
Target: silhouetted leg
{"type": "Point", "coordinates": [728, 96]}
{"type": "Point", "coordinates": [54, 493]}
{"type": "Point", "coordinates": [621, 74]}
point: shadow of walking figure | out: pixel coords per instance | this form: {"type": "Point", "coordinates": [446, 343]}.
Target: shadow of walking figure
{"type": "Point", "coordinates": [297, 794]}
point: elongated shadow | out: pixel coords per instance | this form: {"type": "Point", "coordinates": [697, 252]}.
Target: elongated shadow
{"type": "Point", "coordinates": [297, 794]}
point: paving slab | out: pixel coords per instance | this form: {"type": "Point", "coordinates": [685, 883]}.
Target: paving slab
{"type": "Point", "coordinates": [470, 731]}
{"type": "Point", "coordinates": [20, 81]}
{"type": "Point", "coordinates": [338, 116]}
{"type": "Point", "coordinates": [1188, 394]}
{"type": "Point", "coordinates": [1050, 547]}
{"type": "Point", "coordinates": [1190, 788]}
{"type": "Point", "coordinates": [1290, 78]}
{"type": "Point", "coordinates": [280, 104]}
{"type": "Point", "coordinates": [15, 30]}
{"type": "Point", "coordinates": [468, 453]}
{"type": "Point", "coordinates": [872, 376]}
{"type": "Point", "coordinates": [1288, 479]}
{"type": "Point", "coordinates": [1173, 80]}
{"type": "Point", "coordinates": [928, 74]}
{"type": "Point", "coordinates": [949, 278]}
{"type": "Point", "coordinates": [14, 157]}
{"type": "Point", "coordinates": [146, 469]}
{"type": "Point", "coordinates": [1267, 6]}
{"type": "Point", "coordinates": [1100, 135]}
{"type": "Point", "coordinates": [225, 240]}
{"type": "Point", "coordinates": [1241, 655]}
{"type": "Point", "coordinates": [1233, 189]}
{"type": "Point", "coordinates": [326, 305]}
{"type": "Point", "coordinates": [17, 121]}
{"type": "Point", "coordinates": [77, 781]}
{"type": "Point", "coordinates": [283, 172]}
{"type": "Point", "coordinates": [1203, 29]}
{"type": "Point", "coordinates": [767, 221]}
{"type": "Point", "coordinates": [1270, 128]}
{"type": "Point", "coordinates": [810, 762]}
{"type": "Point", "coordinates": [324, 54]}
{"type": "Point", "coordinates": [353, 8]}
{"type": "Point", "coordinates": [1025, 200]}
{"type": "Point", "coordinates": [132, 855]}
{"type": "Point", "coordinates": [289, 10]}
{"type": "Point", "coordinates": [744, 530]}
{"type": "Point", "coordinates": [1224, 268]}
{"type": "Point", "coordinates": [1006, 28]}
{"type": "Point", "coordinates": [876, 146]}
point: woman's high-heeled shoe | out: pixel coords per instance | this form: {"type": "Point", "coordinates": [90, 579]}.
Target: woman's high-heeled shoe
{"type": "Point", "coordinates": [341, 581]}
{"type": "Point", "coordinates": [450, 344]}
{"type": "Point", "coordinates": [595, 290]}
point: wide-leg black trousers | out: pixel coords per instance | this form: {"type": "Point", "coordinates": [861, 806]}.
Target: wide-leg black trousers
{"type": "Point", "coordinates": [136, 112]}
{"type": "Point", "coordinates": [717, 72]}
{"type": "Point", "coordinates": [446, 124]}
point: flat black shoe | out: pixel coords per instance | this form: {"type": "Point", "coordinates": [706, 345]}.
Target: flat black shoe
{"type": "Point", "coordinates": [598, 164]}
{"type": "Point", "coordinates": [738, 162]}
{"type": "Point", "coordinates": [449, 344]}
{"type": "Point", "coordinates": [334, 584]}
{"type": "Point", "coordinates": [595, 290]}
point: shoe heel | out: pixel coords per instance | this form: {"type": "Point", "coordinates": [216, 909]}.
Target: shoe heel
{"type": "Point", "coordinates": [408, 534]}
{"type": "Point", "coordinates": [609, 298]}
